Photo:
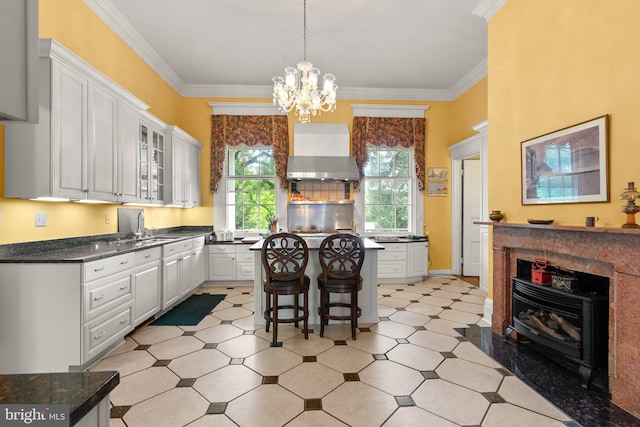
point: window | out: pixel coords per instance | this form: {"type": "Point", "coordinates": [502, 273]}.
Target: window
{"type": "Point", "coordinates": [388, 188]}
{"type": "Point", "coordinates": [251, 188]}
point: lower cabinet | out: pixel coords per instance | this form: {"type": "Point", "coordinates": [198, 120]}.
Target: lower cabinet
{"type": "Point", "coordinates": [230, 262]}
{"type": "Point", "coordinates": [146, 281]}
{"type": "Point", "coordinates": [403, 262]}
{"type": "Point", "coordinates": [182, 269]}
{"type": "Point", "coordinates": [73, 313]}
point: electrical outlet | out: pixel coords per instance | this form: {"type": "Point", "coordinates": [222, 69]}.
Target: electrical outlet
{"type": "Point", "coordinates": [107, 219]}
{"type": "Point", "coordinates": [41, 219]}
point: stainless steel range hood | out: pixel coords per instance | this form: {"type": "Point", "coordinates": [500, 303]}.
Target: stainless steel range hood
{"type": "Point", "coordinates": [321, 152]}
{"type": "Point", "coordinates": [322, 168]}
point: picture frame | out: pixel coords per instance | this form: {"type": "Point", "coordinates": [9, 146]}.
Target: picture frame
{"type": "Point", "coordinates": [438, 174]}
{"type": "Point", "coordinates": [437, 189]}
{"type": "Point", "coordinates": [569, 165]}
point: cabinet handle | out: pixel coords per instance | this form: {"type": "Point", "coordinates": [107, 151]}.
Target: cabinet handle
{"type": "Point", "coordinates": [124, 262]}
{"type": "Point", "coordinates": [171, 250]}
{"type": "Point", "coordinates": [100, 335]}
{"type": "Point", "coordinates": [125, 320]}
{"type": "Point", "coordinates": [147, 256]}
{"type": "Point", "coordinates": [98, 298]}
{"type": "Point", "coordinates": [124, 288]}
{"type": "Point", "coordinates": [98, 269]}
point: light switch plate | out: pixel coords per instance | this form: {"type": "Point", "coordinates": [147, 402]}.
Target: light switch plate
{"type": "Point", "coordinates": [41, 219]}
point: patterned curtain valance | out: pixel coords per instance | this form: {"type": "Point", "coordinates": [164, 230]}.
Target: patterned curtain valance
{"type": "Point", "coordinates": [389, 132]}
{"type": "Point", "coordinates": [249, 131]}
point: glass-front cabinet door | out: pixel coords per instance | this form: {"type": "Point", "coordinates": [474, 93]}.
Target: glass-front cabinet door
{"type": "Point", "coordinates": [151, 171]}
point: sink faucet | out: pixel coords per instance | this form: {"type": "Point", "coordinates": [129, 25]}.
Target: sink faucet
{"type": "Point", "coordinates": [138, 232]}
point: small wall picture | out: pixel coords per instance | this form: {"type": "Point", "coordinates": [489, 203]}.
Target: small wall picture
{"type": "Point", "coordinates": [437, 174]}
{"type": "Point", "coordinates": [437, 189]}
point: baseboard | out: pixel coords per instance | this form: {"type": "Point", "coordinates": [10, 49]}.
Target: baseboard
{"type": "Point", "coordinates": [440, 272]}
{"type": "Point", "coordinates": [488, 310]}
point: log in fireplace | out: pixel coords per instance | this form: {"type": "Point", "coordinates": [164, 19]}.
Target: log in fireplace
{"type": "Point", "coordinates": [569, 326]}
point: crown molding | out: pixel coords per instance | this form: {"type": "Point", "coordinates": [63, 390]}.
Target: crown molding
{"type": "Point", "coordinates": [478, 73]}
{"type": "Point", "coordinates": [481, 127]}
{"type": "Point", "coordinates": [246, 109]}
{"type": "Point", "coordinates": [130, 35]}
{"type": "Point", "coordinates": [487, 8]}
{"type": "Point", "coordinates": [382, 110]}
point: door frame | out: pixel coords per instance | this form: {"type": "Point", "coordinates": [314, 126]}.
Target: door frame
{"type": "Point", "coordinates": [476, 145]}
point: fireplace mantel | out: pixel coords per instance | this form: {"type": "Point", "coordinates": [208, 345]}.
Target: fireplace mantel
{"type": "Point", "coordinates": [609, 252]}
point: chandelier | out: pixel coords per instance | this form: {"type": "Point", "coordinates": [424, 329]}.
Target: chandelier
{"type": "Point", "coordinates": [299, 88]}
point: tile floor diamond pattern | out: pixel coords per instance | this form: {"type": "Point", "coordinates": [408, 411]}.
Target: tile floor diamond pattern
{"type": "Point", "coordinates": [412, 368]}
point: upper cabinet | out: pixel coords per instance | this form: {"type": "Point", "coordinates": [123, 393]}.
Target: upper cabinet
{"type": "Point", "coordinates": [19, 65]}
{"type": "Point", "coordinates": [184, 169]}
{"type": "Point", "coordinates": [151, 153]}
{"type": "Point", "coordinates": [95, 142]}
{"type": "Point", "coordinates": [79, 150]}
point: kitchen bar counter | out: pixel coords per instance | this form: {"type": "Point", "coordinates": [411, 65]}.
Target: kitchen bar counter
{"type": "Point", "coordinates": [367, 298]}
{"type": "Point", "coordinates": [84, 392]}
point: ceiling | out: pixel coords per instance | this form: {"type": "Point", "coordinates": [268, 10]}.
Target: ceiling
{"type": "Point", "coordinates": [377, 49]}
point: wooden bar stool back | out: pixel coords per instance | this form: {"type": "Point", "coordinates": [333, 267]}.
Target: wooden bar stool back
{"type": "Point", "coordinates": [284, 258]}
{"type": "Point", "coordinates": [341, 258]}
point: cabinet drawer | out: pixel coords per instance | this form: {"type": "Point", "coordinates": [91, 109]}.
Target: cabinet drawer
{"type": "Point", "coordinates": [148, 255]}
{"type": "Point", "coordinates": [222, 249]}
{"type": "Point", "coordinates": [101, 333]}
{"type": "Point", "coordinates": [104, 267]}
{"type": "Point", "coordinates": [104, 294]}
{"type": "Point", "coordinates": [242, 257]}
{"type": "Point", "coordinates": [198, 242]}
{"type": "Point", "coordinates": [395, 247]}
{"type": "Point", "coordinates": [245, 271]}
{"type": "Point", "coordinates": [177, 247]}
{"type": "Point", "coordinates": [391, 269]}
{"type": "Point", "coordinates": [391, 256]}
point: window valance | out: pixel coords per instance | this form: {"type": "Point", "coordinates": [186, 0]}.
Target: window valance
{"type": "Point", "coordinates": [236, 130]}
{"type": "Point", "coordinates": [390, 132]}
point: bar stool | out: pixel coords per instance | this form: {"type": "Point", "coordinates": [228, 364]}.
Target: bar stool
{"type": "Point", "coordinates": [341, 258]}
{"type": "Point", "coordinates": [284, 258]}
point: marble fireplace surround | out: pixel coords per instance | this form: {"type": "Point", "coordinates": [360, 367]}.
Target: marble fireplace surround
{"type": "Point", "coordinates": [609, 252]}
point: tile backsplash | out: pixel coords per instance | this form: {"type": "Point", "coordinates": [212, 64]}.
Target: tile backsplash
{"type": "Point", "coordinates": [323, 190]}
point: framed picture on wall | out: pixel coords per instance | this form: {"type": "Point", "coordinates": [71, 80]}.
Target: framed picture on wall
{"type": "Point", "coordinates": [437, 189]}
{"type": "Point", "coordinates": [567, 166]}
{"type": "Point", "coordinates": [437, 174]}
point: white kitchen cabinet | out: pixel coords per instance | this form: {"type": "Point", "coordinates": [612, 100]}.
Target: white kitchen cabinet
{"type": "Point", "coordinates": [403, 262]}
{"type": "Point", "coordinates": [19, 65]}
{"type": "Point", "coordinates": [102, 144]}
{"type": "Point", "coordinates": [183, 167]}
{"type": "Point", "coordinates": [151, 154]}
{"type": "Point", "coordinates": [73, 151]}
{"type": "Point", "coordinates": [177, 266]}
{"type": "Point", "coordinates": [231, 262]}
{"type": "Point", "coordinates": [127, 154]}
{"type": "Point", "coordinates": [146, 281]}
{"type": "Point", "coordinates": [417, 259]}
{"type": "Point", "coordinates": [198, 263]}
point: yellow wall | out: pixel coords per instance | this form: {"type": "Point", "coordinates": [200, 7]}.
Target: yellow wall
{"type": "Point", "coordinates": [76, 27]}
{"type": "Point", "coordinates": [553, 64]}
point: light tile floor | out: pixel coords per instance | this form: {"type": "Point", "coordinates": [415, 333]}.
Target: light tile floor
{"type": "Point", "coordinates": [410, 369]}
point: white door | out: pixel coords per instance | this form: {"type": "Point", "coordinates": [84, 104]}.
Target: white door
{"type": "Point", "coordinates": [471, 205]}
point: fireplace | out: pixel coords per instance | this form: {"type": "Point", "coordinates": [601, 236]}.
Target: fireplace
{"type": "Point", "coordinates": [607, 252]}
{"type": "Point", "coordinates": [569, 325]}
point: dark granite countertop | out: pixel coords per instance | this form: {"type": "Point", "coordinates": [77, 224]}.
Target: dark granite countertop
{"type": "Point", "coordinates": [82, 391]}
{"type": "Point", "coordinates": [91, 248]}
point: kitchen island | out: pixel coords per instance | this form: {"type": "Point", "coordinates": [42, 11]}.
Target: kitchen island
{"type": "Point", "coordinates": [367, 297]}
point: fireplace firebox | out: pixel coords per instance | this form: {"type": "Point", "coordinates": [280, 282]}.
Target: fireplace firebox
{"type": "Point", "coordinates": [569, 326]}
